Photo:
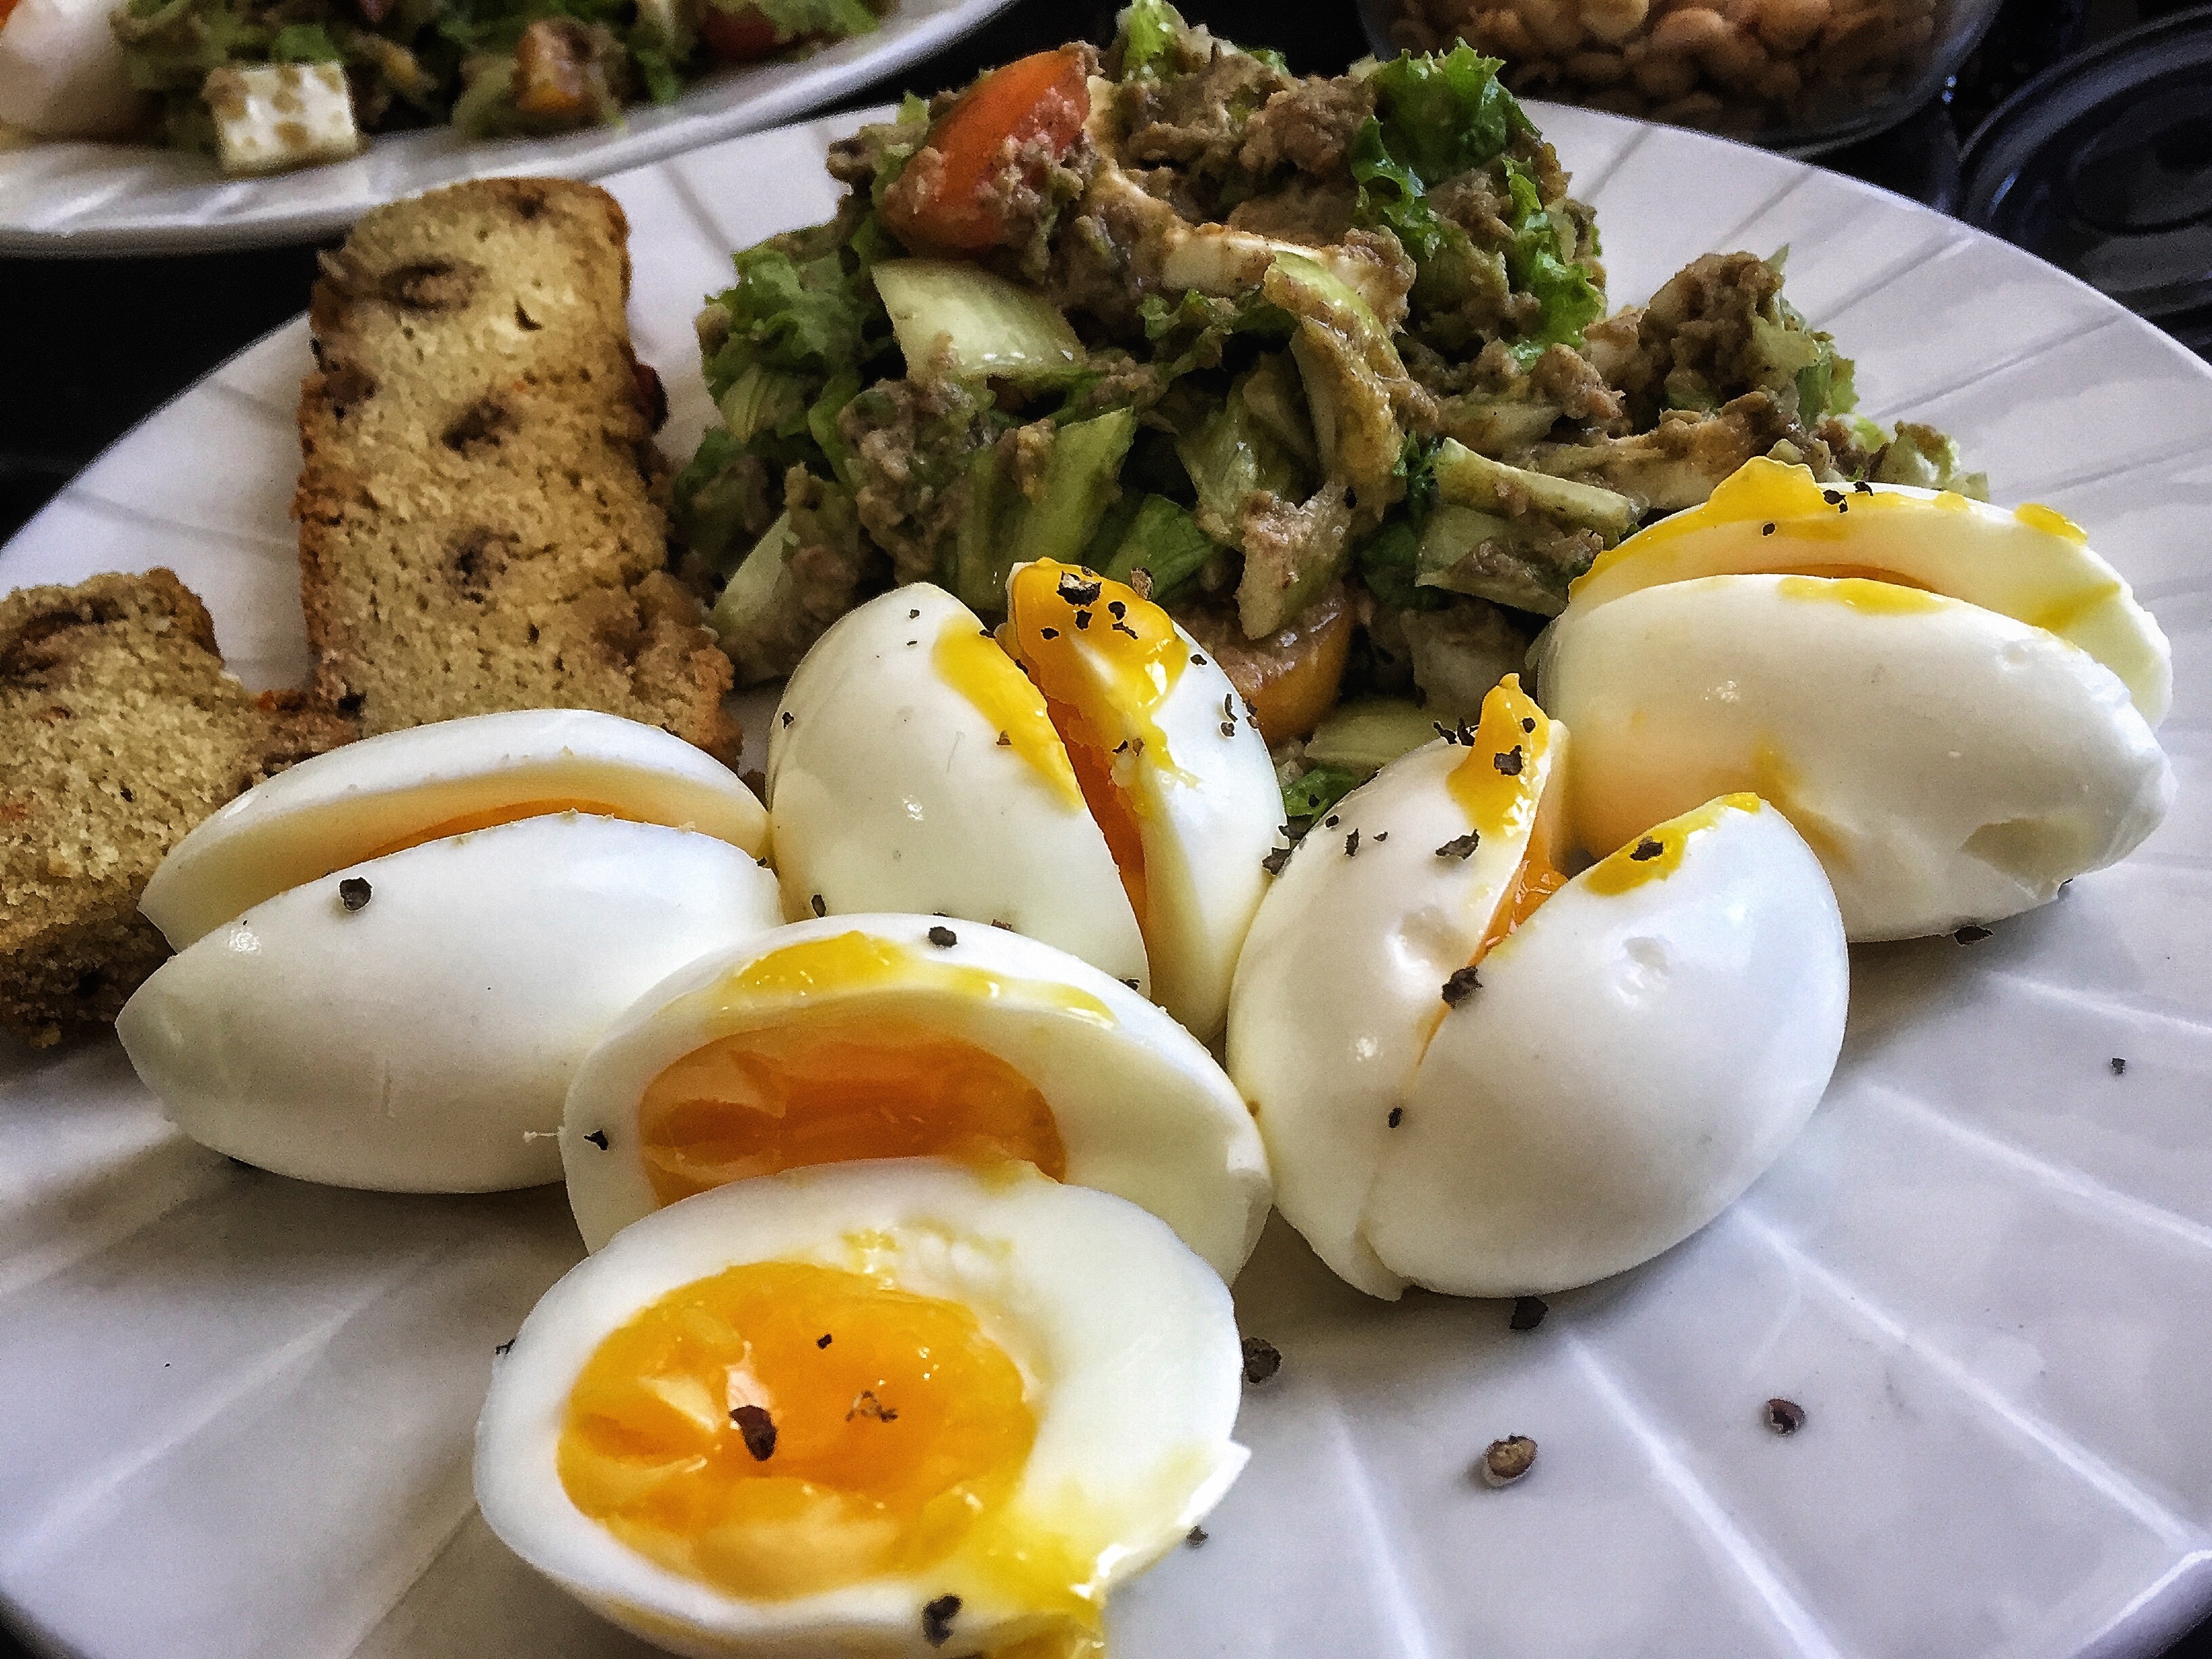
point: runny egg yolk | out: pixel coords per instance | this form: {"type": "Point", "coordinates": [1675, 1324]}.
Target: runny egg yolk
{"type": "Point", "coordinates": [833, 1087]}
{"type": "Point", "coordinates": [1879, 597]}
{"type": "Point", "coordinates": [1658, 853]}
{"type": "Point", "coordinates": [972, 664]}
{"type": "Point", "coordinates": [490, 817]}
{"type": "Point", "coordinates": [1104, 660]}
{"type": "Point", "coordinates": [782, 1428]}
{"type": "Point", "coordinates": [1499, 786]}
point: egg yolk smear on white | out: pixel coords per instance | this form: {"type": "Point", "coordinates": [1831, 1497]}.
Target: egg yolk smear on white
{"type": "Point", "coordinates": [1087, 776]}
{"type": "Point", "coordinates": [1475, 1074]}
{"type": "Point", "coordinates": [1951, 702]}
{"type": "Point", "coordinates": [888, 1407]}
{"type": "Point", "coordinates": [885, 1037]}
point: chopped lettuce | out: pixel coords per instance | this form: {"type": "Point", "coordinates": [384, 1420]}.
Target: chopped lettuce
{"type": "Point", "coordinates": [1165, 542]}
{"type": "Point", "coordinates": [1317, 789]}
{"type": "Point", "coordinates": [795, 20]}
{"type": "Point", "coordinates": [1571, 301]}
{"type": "Point", "coordinates": [1149, 33]}
{"type": "Point", "coordinates": [1442, 115]}
{"type": "Point", "coordinates": [814, 314]}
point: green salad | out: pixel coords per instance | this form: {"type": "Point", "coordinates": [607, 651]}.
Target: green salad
{"type": "Point", "coordinates": [1324, 364]}
{"type": "Point", "coordinates": [490, 67]}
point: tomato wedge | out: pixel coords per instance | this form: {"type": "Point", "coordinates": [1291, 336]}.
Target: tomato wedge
{"type": "Point", "coordinates": [737, 37]}
{"type": "Point", "coordinates": [947, 201]}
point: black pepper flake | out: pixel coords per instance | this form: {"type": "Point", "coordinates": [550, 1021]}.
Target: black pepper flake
{"type": "Point", "coordinates": [1273, 863]}
{"type": "Point", "coordinates": [1262, 1359]}
{"type": "Point", "coordinates": [914, 643]}
{"type": "Point", "coordinates": [1785, 1416]}
{"type": "Point", "coordinates": [1528, 722]}
{"type": "Point", "coordinates": [1766, 529]}
{"type": "Point", "coordinates": [758, 1429]}
{"type": "Point", "coordinates": [1076, 590]}
{"type": "Point", "coordinates": [2119, 1066]}
{"type": "Point", "coordinates": [1330, 822]}
{"type": "Point", "coordinates": [912, 615]}
{"type": "Point", "coordinates": [1862, 488]}
{"type": "Point", "coordinates": [1397, 1115]}
{"type": "Point", "coordinates": [1004, 742]}
{"type": "Point", "coordinates": [1645, 850]}
{"type": "Point", "coordinates": [822, 1341]}
{"type": "Point", "coordinates": [353, 892]}
{"type": "Point", "coordinates": [820, 908]}
{"type": "Point", "coordinates": [788, 718]}
{"type": "Point", "coordinates": [943, 938]}
{"type": "Point", "coordinates": [1116, 610]}
{"type": "Point", "coordinates": [1833, 497]}
{"type": "Point", "coordinates": [1504, 1462]}
{"type": "Point", "coordinates": [1082, 620]}
{"type": "Point", "coordinates": [506, 1347]}
{"type": "Point", "coordinates": [1131, 983]}
{"type": "Point", "coordinates": [1508, 762]}
{"type": "Point", "coordinates": [598, 1138]}
{"type": "Point", "coordinates": [865, 1404]}
{"type": "Point", "coordinates": [1051, 633]}
{"type": "Point", "coordinates": [1352, 843]}
{"type": "Point", "coordinates": [1971, 934]}
{"type": "Point", "coordinates": [937, 1617]}
{"type": "Point", "coordinates": [1194, 1537]}
{"type": "Point", "coordinates": [1528, 1312]}
{"type": "Point", "coordinates": [1461, 986]}
{"type": "Point", "coordinates": [1381, 835]}
{"type": "Point", "coordinates": [1124, 627]}
{"type": "Point", "coordinates": [1460, 847]}
{"type": "Point", "coordinates": [1229, 728]}
{"type": "Point", "coordinates": [1445, 731]}
{"type": "Point", "coordinates": [1197, 661]}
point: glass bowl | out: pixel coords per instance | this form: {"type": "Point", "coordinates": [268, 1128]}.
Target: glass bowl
{"type": "Point", "coordinates": [1796, 76]}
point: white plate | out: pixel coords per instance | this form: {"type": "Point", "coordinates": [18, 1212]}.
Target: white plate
{"type": "Point", "coordinates": [86, 199]}
{"type": "Point", "coordinates": [238, 1409]}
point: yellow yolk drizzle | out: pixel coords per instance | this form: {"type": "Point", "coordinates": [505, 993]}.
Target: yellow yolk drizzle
{"type": "Point", "coordinates": [490, 817]}
{"type": "Point", "coordinates": [972, 664]}
{"type": "Point", "coordinates": [1104, 660]}
{"type": "Point", "coordinates": [857, 960]}
{"type": "Point", "coordinates": [782, 1429]}
{"type": "Point", "coordinates": [1658, 853]}
{"type": "Point", "coordinates": [1878, 598]}
{"type": "Point", "coordinates": [834, 1088]}
{"type": "Point", "coordinates": [2037, 516]}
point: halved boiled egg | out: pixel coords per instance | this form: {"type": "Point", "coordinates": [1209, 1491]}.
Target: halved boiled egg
{"type": "Point", "coordinates": [1088, 776]}
{"type": "Point", "coordinates": [411, 1023]}
{"type": "Point", "coordinates": [885, 1037]}
{"type": "Point", "coordinates": [897, 1408]}
{"type": "Point", "coordinates": [1476, 1075]}
{"type": "Point", "coordinates": [402, 788]}
{"type": "Point", "coordinates": [1953, 702]}
{"type": "Point", "coordinates": [61, 73]}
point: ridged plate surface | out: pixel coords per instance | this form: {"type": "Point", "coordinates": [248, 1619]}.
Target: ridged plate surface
{"type": "Point", "coordinates": [100, 198]}
{"type": "Point", "coordinates": [238, 1409]}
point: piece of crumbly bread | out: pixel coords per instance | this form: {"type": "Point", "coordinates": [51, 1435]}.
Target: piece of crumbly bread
{"type": "Point", "coordinates": [478, 530]}
{"type": "Point", "coordinates": [121, 732]}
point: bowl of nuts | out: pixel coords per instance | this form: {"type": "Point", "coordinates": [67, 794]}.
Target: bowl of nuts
{"type": "Point", "coordinates": [1797, 76]}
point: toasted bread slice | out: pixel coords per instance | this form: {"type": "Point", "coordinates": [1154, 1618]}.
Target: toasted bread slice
{"type": "Point", "coordinates": [478, 530]}
{"type": "Point", "coordinates": [122, 731]}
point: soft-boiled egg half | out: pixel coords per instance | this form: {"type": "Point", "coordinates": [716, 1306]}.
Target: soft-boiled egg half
{"type": "Point", "coordinates": [62, 74]}
{"type": "Point", "coordinates": [1953, 702]}
{"type": "Point", "coordinates": [393, 956]}
{"type": "Point", "coordinates": [1088, 776]}
{"type": "Point", "coordinates": [886, 1037]}
{"type": "Point", "coordinates": [1475, 1074]}
{"type": "Point", "coordinates": [402, 788]}
{"type": "Point", "coordinates": [897, 1408]}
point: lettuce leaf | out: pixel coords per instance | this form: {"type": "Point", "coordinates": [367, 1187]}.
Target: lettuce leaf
{"type": "Point", "coordinates": [1442, 115]}
{"type": "Point", "coordinates": [794, 20]}
{"type": "Point", "coordinates": [1571, 301]}
{"type": "Point", "coordinates": [1317, 789]}
{"type": "Point", "coordinates": [1150, 31]}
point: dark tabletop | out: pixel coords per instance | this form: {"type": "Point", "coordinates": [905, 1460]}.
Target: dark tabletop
{"type": "Point", "coordinates": [92, 346]}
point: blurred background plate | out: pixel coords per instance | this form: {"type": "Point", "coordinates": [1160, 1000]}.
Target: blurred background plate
{"type": "Point", "coordinates": [87, 199]}
{"type": "Point", "coordinates": [239, 1409]}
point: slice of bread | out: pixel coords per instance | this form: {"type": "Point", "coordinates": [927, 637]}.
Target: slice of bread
{"type": "Point", "coordinates": [479, 529]}
{"type": "Point", "coordinates": [122, 731]}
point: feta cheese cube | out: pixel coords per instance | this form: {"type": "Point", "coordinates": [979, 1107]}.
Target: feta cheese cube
{"type": "Point", "coordinates": [269, 117]}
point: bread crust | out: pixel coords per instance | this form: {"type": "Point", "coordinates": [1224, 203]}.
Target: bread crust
{"type": "Point", "coordinates": [478, 526]}
{"type": "Point", "coordinates": [123, 732]}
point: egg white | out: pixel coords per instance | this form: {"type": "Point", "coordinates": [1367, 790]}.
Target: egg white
{"type": "Point", "coordinates": [1632, 1061]}
{"type": "Point", "coordinates": [1142, 1109]}
{"type": "Point", "coordinates": [335, 809]}
{"type": "Point", "coordinates": [890, 792]}
{"type": "Point", "coordinates": [62, 74]}
{"type": "Point", "coordinates": [1127, 1343]}
{"type": "Point", "coordinates": [425, 1042]}
{"type": "Point", "coordinates": [1950, 765]}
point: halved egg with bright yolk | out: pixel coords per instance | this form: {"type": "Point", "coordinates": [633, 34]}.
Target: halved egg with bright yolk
{"type": "Point", "coordinates": [1087, 776]}
{"type": "Point", "coordinates": [896, 1407]}
{"type": "Point", "coordinates": [1951, 701]}
{"type": "Point", "coordinates": [885, 1037]}
{"type": "Point", "coordinates": [1475, 1074]}
{"type": "Point", "coordinates": [386, 793]}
